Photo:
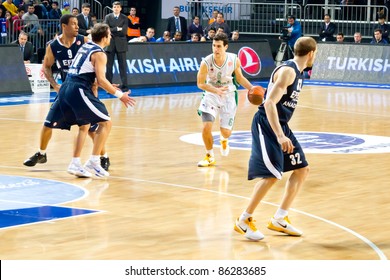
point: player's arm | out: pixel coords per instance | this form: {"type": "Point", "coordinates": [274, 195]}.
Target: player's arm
{"type": "Point", "coordinates": [284, 77]}
{"type": "Point", "coordinates": [201, 81]}
{"type": "Point", "coordinates": [240, 77]}
{"type": "Point", "coordinates": [99, 61]}
{"type": "Point", "coordinates": [48, 62]}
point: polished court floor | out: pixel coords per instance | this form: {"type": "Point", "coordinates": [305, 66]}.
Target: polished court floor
{"type": "Point", "coordinates": [158, 205]}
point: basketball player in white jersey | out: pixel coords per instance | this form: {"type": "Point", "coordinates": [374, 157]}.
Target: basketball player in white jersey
{"type": "Point", "coordinates": [217, 77]}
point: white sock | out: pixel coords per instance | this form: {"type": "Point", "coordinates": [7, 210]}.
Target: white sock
{"type": "Point", "coordinates": [76, 160]}
{"type": "Point", "coordinates": [95, 158]}
{"type": "Point", "coordinates": [245, 215]}
{"type": "Point", "coordinates": [42, 152]}
{"type": "Point", "coordinates": [210, 152]}
{"type": "Point", "coordinates": [105, 155]}
{"type": "Point", "coordinates": [222, 138]}
{"type": "Point", "coordinates": [280, 213]}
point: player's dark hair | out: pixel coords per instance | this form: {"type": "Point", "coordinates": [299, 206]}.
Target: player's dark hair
{"type": "Point", "coordinates": [66, 18]}
{"type": "Point", "coordinates": [221, 37]}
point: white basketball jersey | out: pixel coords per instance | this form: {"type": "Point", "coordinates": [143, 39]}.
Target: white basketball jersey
{"type": "Point", "coordinates": [220, 76]}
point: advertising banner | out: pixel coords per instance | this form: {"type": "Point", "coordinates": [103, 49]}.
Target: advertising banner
{"type": "Point", "coordinates": [352, 63]}
{"type": "Point", "coordinates": [204, 9]}
{"type": "Point", "coordinates": [178, 62]}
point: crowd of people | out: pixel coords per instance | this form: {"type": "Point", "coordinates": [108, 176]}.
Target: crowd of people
{"type": "Point", "coordinates": [328, 32]}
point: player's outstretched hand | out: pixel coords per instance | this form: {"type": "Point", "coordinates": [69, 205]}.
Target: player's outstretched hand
{"type": "Point", "coordinates": [127, 100]}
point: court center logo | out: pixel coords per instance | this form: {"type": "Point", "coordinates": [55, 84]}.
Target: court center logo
{"type": "Point", "coordinates": [250, 61]}
{"type": "Point", "coordinates": [311, 142]}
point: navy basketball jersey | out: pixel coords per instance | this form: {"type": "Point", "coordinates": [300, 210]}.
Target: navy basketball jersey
{"type": "Point", "coordinates": [82, 70]}
{"type": "Point", "coordinates": [63, 55]}
{"type": "Point", "coordinates": [289, 100]}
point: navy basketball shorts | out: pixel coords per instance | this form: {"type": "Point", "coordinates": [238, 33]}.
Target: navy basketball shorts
{"type": "Point", "coordinates": [55, 118]}
{"type": "Point", "coordinates": [80, 106]}
{"type": "Point", "coordinates": [267, 159]}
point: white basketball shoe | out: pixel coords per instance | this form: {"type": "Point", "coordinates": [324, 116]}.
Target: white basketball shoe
{"type": "Point", "coordinates": [248, 229]}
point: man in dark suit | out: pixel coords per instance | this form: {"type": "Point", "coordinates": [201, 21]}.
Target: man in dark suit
{"type": "Point", "coordinates": [327, 30]}
{"type": "Point", "coordinates": [85, 20]}
{"type": "Point", "coordinates": [118, 25]}
{"type": "Point", "coordinates": [26, 47]}
{"type": "Point", "coordinates": [177, 23]}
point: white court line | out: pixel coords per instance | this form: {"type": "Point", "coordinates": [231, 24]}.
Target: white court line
{"type": "Point", "coordinates": [378, 251]}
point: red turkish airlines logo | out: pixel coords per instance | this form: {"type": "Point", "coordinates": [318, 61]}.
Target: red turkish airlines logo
{"type": "Point", "coordinates": [42, 74]}
{"type": "Point", "coordinates": [250, 61]}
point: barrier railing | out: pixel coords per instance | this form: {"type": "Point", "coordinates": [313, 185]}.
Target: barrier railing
{"type": "Point", "coordinates": [270, 18]}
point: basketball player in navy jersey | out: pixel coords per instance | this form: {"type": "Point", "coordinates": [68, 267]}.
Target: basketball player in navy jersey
{"type": "Point", "coordinates": [61, 50]}
{"type": "Point", "coordinates": [77, 99]}
{"type": "Point", "coordinates": [274, 146]}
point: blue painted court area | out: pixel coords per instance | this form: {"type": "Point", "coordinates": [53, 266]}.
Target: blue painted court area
{"type": "Point", "coordinates": [18, 217]}
{"type": "Point", "coordinates": [20, 99]}
{"type": "Point", "coordinates": [25, 200]}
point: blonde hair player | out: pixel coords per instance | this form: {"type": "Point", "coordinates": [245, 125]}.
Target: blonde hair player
{"type": "Point", "coordinates": [274, 147]}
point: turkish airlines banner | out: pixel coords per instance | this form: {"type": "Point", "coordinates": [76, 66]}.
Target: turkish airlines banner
{"type": "Point", "coordinates": [352, 63]}
{"type": "Point", "coordinates": [178, 62]}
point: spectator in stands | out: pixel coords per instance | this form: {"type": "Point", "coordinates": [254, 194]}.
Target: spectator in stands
{"type": "Point", "coordinates": [177, 37]}
{"type": "Point", "coordinates": [357, 37]}
{"type": "Point", "coordinates": [55, 12]}
{"type": "Point", "coordinates": [150, 34]}
{"type": "Point", "coordinates": [195, 37]}
{"type": "Point", "coordinates": [84, 20]}
{"type": "Point", "coordinates": [195, 26]}
{"type": "Point", "coordinates": [10, 7]}
{"type": "Point", "coordinates": [31, 22]}
{"type": "Point", "coordinates": [25, 5]}
{"type": "Point", "coordinates": [220, 30]}
{"type": "Point", "coordinates": [177, 23]}
{"type": "Point", "coordinates": [8, 21]}
{"type": "Point", "coordinates": [327, 30]}
{"type": "Point", "coordinates": [40, 10]}
{"type": "Point", "coordinates": [93, 18]}
{"type": "Point", "coordinates": [17, 22]}
{"type": "Point", "coordinates": [166, 37]}
{"type": "Point", "coordinates": [210, 35]}
{"type": "Point", "coordinates": [26, 47]}
{"type": "Point", "coordinates": [220, 22]}
{"type": "Point", "coordinates": [294, 30]}
{"type": "Point", "coordinates": [66, 9]}
{"type": "Point", "coordinates": [134, 28]}
{"type": "Point", "coordinates": [378, 40]}
{"type": "Point", "coordinates": [47, 5]}
{"type": "Point", "coordinates": [340, 37]}
{"type": "Point", "coordinates": [235, 36]}
{"type": "Point", "coordinates": [2, 11]}
{"type": "Point", "coordinates": [75, 11]}
{"type": "Point", "coordinates": [213, 17]}
{"type": "Point", "coordinates": [384, 27]}
{"type": "Point", "coordinates": [118, 46]}
{"type": "Point", "coordinates": [138, 39]}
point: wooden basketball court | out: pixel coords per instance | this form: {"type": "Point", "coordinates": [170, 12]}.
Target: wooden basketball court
{"type": "Point", "coordinates": [157, 204]}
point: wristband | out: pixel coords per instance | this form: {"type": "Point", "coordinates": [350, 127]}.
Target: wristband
{"type": "Point", "coordinates": [118, 94]}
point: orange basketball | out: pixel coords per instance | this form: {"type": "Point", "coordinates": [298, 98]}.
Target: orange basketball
{"type": "Point", "coordinates": [256, 95]}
